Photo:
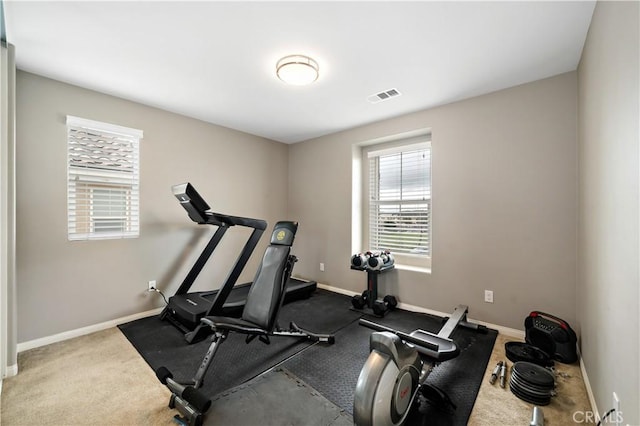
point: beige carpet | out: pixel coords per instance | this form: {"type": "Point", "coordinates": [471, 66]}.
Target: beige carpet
{"type": "Point", "coordinates": [100, 379]}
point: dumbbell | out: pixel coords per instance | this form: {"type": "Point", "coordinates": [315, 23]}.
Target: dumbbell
{"type": "Point", "coordinates": [359, 260]}
{"type": "Point", "coordinates": [360, 301]}
{"type": "Point", "coordinates": [377, 260]}
{"type": "Point", "coordinates": [381, 307]}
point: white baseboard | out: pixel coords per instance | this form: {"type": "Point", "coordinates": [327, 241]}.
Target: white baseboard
{"type": "Point", "coordinates": [11, 370]}
{"type": "Point", "coordinates": [36, 343]}
{"type": "Point", "coordinates": [337, 290]}
{"type": "Point", "coordinates": [511, 332]}
{"type": "Point", "coordinates": [592, 398]}
{"type": "Point", "coordinates": [14, 367]}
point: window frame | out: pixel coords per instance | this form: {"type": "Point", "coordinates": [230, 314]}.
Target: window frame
{"type": "Point", "coordinates": [407, 144]}
{"type": "Point", "coordinates": [85, 206]}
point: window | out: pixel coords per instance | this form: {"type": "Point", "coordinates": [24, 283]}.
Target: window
{"type": "Point", "coordinates": [103, 185]}
{"type": "Point", "coordinates": [398, 203]}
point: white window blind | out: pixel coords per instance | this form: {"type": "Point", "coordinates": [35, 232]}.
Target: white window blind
{"type": "Point", "coordinates": [400, 199]}
{"type": "Point", "coordinates": [103, 185]}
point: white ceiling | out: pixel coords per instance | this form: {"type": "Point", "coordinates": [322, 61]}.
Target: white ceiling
{"type": "Point", "coordinates": [215, 61]}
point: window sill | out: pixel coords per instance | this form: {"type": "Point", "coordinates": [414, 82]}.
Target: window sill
{"type": "Point", "coordinates": [419, 269]}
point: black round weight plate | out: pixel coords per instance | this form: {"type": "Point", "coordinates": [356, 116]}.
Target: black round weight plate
{"type": "Point", "coordinates": [533, 374]}
{"type": "Point", "coordinates": [531, 389]}
{"type": "Point", "coordinates": [518, 351]}
{"type": "Point", "coordinates": [523, 395]}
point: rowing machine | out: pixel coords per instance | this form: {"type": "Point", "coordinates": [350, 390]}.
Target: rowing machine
{"type": "Point", "coordinates": [398, 366]}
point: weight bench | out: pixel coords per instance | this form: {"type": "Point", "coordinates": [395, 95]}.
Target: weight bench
{"type": "Point", "coordinates": [259, 319]}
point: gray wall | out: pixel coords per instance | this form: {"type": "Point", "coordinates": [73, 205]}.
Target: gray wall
{"type": "Point", "coordinates": [504, 206]}
{"type": "Point", "coordinates": [608, 298]}
{"type": "Point", "coordinates": [66, 285]}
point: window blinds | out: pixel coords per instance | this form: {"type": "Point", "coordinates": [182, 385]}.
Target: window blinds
{"type": "Point", "coordinates": [400, 199]}
{"type": "Point", "coordinates": [103, 188]}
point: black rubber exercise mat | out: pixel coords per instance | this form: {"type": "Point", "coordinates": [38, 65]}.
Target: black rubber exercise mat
{"type": "Point", "coordinates": [274, 398]}
{"type": "Point", "coordinates": [333, 371]}
{"type": "Point", "coordinates": [325, 311]}
{"type": "Point", "coordinates": [161, 344]}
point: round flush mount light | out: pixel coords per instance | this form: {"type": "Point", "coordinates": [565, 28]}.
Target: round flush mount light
{"type": "Point", "coordinates": [297, 70]}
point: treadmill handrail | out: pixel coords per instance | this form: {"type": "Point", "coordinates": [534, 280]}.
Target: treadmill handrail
{"type": "Point", "coordinates": [218, 219]}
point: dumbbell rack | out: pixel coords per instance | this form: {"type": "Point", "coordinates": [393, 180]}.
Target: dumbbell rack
{"type": "Point", "coordinates": [370, 295]}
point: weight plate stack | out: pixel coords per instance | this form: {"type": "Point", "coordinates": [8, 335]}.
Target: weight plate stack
{"type": "Point", "coordinates": [531, 383]}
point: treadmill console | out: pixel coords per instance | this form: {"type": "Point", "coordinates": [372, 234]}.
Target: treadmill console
{"type": "Point", "coordinates": [192, 202]}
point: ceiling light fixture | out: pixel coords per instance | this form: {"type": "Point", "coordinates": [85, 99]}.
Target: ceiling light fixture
{"type": "Point", "coordinates": [297, 70]}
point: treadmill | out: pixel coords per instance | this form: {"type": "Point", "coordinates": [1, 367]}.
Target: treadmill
{"type": "Point", "coordinates": [184, 310]}
{"type": "Point", "coordinates": [189, 308]}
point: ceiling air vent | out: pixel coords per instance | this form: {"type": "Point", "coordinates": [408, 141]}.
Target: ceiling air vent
{"type": "Point", "coordinates": [383, 96]}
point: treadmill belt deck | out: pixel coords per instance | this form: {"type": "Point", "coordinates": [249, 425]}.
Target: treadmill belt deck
{"type": "Point", "coordinates": [189, 308]}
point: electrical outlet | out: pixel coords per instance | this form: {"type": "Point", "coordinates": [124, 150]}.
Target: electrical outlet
{"type": "Point", "coordinates": [488, 296]}
{"type": "Point", "coordinates": [321, 267]}
{"type": "Point", "coordinates": [152, 285]}
{"type": "Point", "coordinates": [617, 415]}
